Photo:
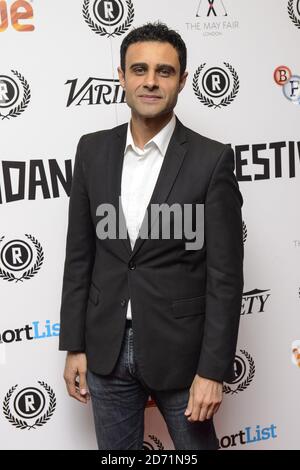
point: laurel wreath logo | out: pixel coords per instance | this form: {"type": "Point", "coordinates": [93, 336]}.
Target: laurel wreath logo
{"type": "Point", "coordinates": [157, 441]}
{"type": "Point", "coordinates": [101, 30]}
{"type": "Point", "coordinates": [245, 232]}
{"type": "Point", "coordinates": [208, 101]}
{"type": "Point", "coordinates": [243, 385]}
{"type": "Point", "coordinates": [21, 424]}
{"type": "Point", "coordinates": [7, 276]}
{"type": "Point", "coordinates": [292, 15]}
{"type": "Point", "coordinates": [16, 111]}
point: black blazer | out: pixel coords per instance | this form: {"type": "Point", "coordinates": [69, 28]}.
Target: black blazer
{"type": "Point", "coordinates": [185, 303]}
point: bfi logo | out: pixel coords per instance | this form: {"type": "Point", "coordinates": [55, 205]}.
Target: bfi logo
{"type": "Point", "coordinates": [289, 82]}
{"type": "Point", "coordinates": [19, 10]}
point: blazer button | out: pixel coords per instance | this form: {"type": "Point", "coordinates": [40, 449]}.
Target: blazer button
{"type": "Point", "coordinates": [132, 265]}
{"type": "Point", "coordinates": [123, 302]}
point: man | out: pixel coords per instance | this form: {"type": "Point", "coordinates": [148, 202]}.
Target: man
{"type": "Point", "coordinates": [141, 316]}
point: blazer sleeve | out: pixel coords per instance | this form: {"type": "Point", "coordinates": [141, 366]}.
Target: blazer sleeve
{"type": "Point", "coordinates": [79, 260]}
{"type": "Point", "coordinates": [224, 283]}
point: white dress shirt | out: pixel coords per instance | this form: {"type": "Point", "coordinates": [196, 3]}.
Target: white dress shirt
{"type": "Point", "coordinates": [140, 171]}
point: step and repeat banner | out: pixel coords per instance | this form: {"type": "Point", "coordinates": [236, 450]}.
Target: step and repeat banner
{"type": "Point", "coordinates": [58, 81]}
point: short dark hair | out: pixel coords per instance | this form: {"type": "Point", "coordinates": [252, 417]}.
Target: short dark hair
{"type": "Point", "coordinates": [155, 32]}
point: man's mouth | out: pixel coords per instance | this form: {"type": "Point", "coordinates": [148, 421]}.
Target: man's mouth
{"type": "Point", "coordinates": [150, 98]}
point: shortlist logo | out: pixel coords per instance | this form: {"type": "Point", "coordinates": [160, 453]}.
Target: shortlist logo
{"type": "Point", "coordinates": [35, 330]}
{"type": "Point", "coordinates": [248, 435]}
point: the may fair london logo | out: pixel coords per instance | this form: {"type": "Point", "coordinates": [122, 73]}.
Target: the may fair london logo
{"type": "Point", "coordinates": [212, 18]}
{"type": "Point", "coordinates": [294, 12]}
{"type": "Point", "coordinates": [216, 87]}
{"type": "Point", "coordinates": [160, 222]}
{"type": "Point", "coordinates": [108, 17]}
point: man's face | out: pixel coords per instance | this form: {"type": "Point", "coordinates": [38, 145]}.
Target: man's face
{"type": "Point", "coordinates": [152, 78]}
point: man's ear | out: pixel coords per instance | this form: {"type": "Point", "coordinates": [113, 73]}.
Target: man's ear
{"type": "Point", "coordinates": [121, 77]}
{"type": "Point", "coordinates": [182, 81]}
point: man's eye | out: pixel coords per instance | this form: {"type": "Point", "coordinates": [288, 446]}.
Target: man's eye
{"type": "Point", "coordinates": [165, 72]}
{"type": "Point", "coordinates": [139, 70]}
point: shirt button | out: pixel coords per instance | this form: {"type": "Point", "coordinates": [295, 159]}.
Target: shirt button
{"type": "Point", "coordinates": [132, 265]}
{"type": "Point", "coordinates": [123, 302]}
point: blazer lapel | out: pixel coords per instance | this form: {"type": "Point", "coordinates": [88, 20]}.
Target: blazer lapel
{"type": "Point", "coordinates": [171, 165]}
{"type": "Point", "coordinates": [114, 178]}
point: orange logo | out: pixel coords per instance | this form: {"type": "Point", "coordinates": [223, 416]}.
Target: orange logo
{"type": "Point", "coordinates": [19, 10]}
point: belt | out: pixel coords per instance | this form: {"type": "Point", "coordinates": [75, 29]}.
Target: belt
{"type": "Point", "coordinates": [128, 323]}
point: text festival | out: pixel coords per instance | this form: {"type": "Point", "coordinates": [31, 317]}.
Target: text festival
{"type": "Point", "coordinates": [42, 179]}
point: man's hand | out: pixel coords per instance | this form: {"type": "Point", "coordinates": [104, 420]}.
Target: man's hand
{"type": "Point", "coordinates": [205, 399]}
{"type": "Point", "coordinates": [76, 367]}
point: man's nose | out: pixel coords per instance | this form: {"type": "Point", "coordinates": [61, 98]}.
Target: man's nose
{"type": "Point", "coordinates": [151, 80]}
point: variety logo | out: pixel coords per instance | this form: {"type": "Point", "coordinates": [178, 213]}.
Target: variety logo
{"type": "Point", "coordinates": [29, 408]}
{"type": "Point", "coordinates": [244, 370]}
{"type": "Point", "coordinates": [17, 262]}
{"type": "Point", "coordinates": [14, 95]}
{"type": "Point", "coordinates": [248, 435]}
{"type": "Point", "coordinates": [216, 87]}
{"type": "Point", "coordinates": [108, 17]}
{"type": "Point", "coordinates": [16, 13]}
{"type": "Point", "coordinates": [29, 332]}
{"type": "Point", "coordinates": [95, 91]}
{"type": "Point", "coordinates": [290, 83]}
{"type": "Point", "coordinates": [254, 301]}
{"type": "Point", "coordinates": [294, 12]}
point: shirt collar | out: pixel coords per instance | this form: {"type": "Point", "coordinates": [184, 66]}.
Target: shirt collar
{"type": "Point", "coordinates": [161, 139]}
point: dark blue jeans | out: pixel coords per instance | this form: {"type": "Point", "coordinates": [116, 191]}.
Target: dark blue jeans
{"type": "Point", "coordinates": [119, 400]}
